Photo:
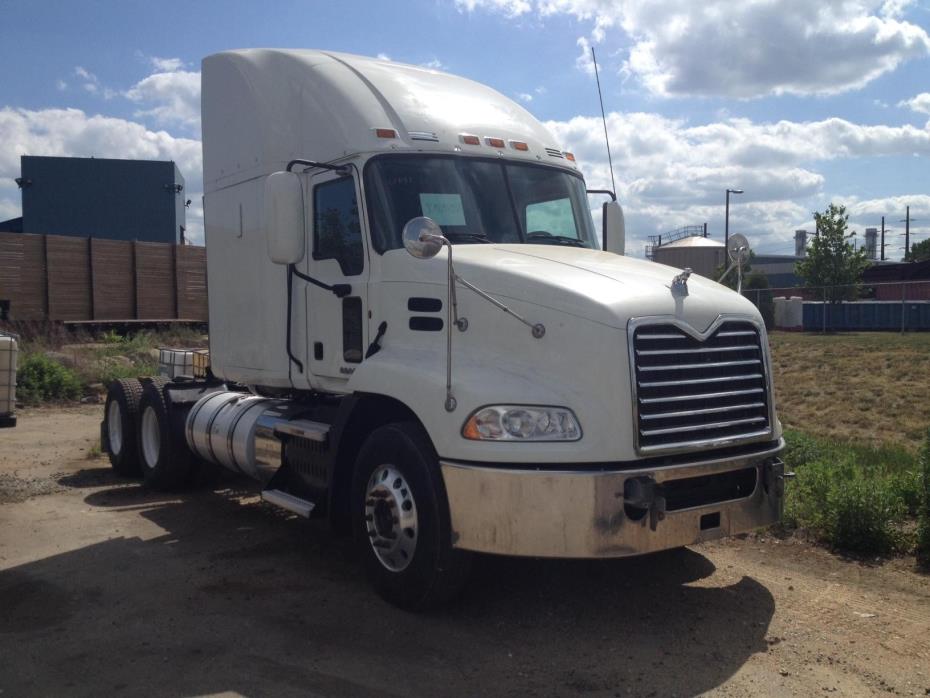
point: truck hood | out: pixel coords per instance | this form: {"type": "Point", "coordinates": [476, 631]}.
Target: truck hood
{"type": "Point", "coordinates": [598, 286]}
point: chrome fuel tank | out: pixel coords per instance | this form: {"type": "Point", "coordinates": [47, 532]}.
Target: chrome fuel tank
{"type": "Point", "coordinates": [237, 431]}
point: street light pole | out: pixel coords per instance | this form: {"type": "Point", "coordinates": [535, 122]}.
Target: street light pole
{"type": "Point", "coordinates": [726, 219]}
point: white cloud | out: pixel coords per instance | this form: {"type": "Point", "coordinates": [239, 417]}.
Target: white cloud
{"type": "Point", "coordinates": [383, 57]}
{"type": "Point", "coordinates": [84, 74]}
{"type": "Point", "coordinates": [171, 98]}
{"type": "Point", "coordinates": [434, 64]}
{"type": "Point", "coordinates": [71, 132]}
{"type": "Point", "coordinates": [511, 8]}
{"type": "Point", "coordinates": [584, 62]}
{"type": "Point", "coordinates": [524, 96]}
{"type": "Point", "coordinates": [61, 85]}
{"type": "Point", "coordinates": [744, 49]}
{"type": "Point", "coordinates": [919, 103]}
{"type": "Point", "coordinates": [90, 83]}
{"type": "Point", "coordinates": [670, 173]}
{"type": "Point", "coordinates": [166, 65]}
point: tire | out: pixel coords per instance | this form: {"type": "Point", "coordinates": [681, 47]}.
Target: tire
{"type": "Point", "coordinates": [164, 458]}
{"type": "Point", "coordinates": [400, 520]}
{"type": "Point", "coordinates": [120, 415]}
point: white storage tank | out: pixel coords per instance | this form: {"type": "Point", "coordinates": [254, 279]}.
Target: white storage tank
{"type": "Point", "coordinates": [780, 312]}
{"type": "Point", "coordinates": [794, 317]}
{"type": "Point", "coordinates": [8, 351]}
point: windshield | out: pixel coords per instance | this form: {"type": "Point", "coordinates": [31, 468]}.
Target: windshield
{"type": "Point", "coordinates": [477, 201]}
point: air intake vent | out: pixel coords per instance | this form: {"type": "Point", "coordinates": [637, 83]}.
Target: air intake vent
{"type": "Point", "coordinates": [423, 136]}
{"type": "Point", "coordinates": [699, 394]}
{"type": "Point", "coordinates": [552, 152]}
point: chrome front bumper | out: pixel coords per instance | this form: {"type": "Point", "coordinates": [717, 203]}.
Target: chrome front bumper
{"type": "Point", "coordinates": [545, 513]}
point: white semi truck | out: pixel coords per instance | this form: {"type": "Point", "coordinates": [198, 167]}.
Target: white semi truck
{"type": "Point", "coordinates": [416, 333]}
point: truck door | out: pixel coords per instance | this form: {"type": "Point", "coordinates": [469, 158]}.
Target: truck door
{"type": "Point", "coordinates": [336, 328]}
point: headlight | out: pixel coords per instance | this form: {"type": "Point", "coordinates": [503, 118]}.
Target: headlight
{"type": "Point", "coordinates": [522, 423]}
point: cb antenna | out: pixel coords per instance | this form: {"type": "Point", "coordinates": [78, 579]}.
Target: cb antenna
{"type": "Point", "coordinates": [610, 162]}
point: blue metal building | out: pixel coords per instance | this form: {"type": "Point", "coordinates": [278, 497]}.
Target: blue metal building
{"type": "Point", "coordinates": [102, 198]}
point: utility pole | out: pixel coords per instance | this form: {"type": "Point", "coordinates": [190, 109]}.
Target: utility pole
{"type": "Point", "coordinates": [907, 232]}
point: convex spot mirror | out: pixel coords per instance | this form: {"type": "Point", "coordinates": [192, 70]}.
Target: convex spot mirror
{"type": "Point", "coordinates": [284, 217]}
{"type": "Point", "coordinates": [614, 228]}
{"type": "Point", "coordinates": [422, 237]}
{"type": "Point", "coordinates": [738, 248]}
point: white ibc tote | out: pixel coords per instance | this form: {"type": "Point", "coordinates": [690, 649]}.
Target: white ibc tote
{"type": "Point", "coordinates": [8, 352]}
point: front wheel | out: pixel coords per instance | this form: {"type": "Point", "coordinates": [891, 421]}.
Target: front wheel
{"type": "Point", "coordinates": [400, 520]}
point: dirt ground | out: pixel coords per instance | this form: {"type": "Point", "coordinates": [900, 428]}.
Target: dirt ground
{"type": "Point", "coordinates": [106, 588]}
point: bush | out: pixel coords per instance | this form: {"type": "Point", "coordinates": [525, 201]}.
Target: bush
{"type": "Point", "coordinates": [40, 378]}
{"type": "Point", "coordinates": [853, 497]}
{"type": "Point", "coordinates": [861, 515]}
{"type": "Point", "coordinates": [923, 528]}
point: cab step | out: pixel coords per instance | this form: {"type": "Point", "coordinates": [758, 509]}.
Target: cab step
{"type": "Point", "coordinates": [286, 500]}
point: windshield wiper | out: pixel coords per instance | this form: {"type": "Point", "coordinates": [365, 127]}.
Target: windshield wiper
{"type": "Point", "coordinates": [550, 239]}
{"type": "Point", "coordinates": [477, 237]}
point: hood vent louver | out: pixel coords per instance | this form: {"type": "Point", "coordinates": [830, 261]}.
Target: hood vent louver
{"type": "Point", "coordinates": [423, 136]}
{"type": "Point", "coordinates": [555, 153]}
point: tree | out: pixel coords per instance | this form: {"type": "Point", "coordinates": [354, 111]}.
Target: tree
{"type": "Point", "coordinates": [919, 252]}
{"type": "Point", "coordinates": [832, 260]}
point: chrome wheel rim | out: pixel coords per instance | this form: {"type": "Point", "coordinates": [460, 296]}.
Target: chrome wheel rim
{"type": "Point", "coordinates": [115, 428]}
{"type": "Point", "coordinates": [151, 438]}
{"type": "Point", "coordinates": [391, 518]}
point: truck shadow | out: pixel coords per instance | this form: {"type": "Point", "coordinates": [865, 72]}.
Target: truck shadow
{"type": "Point", "coordinates": [212, 591]}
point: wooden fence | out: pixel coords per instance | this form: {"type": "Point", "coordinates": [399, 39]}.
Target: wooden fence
{"type": "Point", "coordinates": [54, 277]}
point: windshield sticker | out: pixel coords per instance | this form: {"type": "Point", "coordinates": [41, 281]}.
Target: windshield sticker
{"type": "Point", "coordinates": [445, 209]}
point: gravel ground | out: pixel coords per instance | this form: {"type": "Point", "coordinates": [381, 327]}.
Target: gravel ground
{"type": "Point", "coordinates": [106, 588]}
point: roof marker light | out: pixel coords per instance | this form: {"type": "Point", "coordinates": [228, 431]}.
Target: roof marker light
{"type": "Point", "coordinates": [470, 140]}
{"type": "Point", "coordinates": [569, 156]}
{"type": "Point", "coordinates": [519, 145]}
{"type": "Point", "coordinates": [495, 142]}
{"type": "Point", "coordinates": [385, 133]}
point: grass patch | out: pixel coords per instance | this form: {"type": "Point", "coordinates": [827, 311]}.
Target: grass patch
{"type": "Point", "coordinates": [854, 497]}
{"type": "Point", "coordinates": [923, 526]}
{"type": "Point", "coordinates": [41, 379]}
{"type": "Point", "coordinates": [94, 451]}
{"type": "Point", "coordinates": [868, 387]}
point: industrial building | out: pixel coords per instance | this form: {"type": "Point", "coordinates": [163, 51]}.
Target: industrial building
{"type": "Point", "coordinates": [690, 247]}
{"type": "Point", "coordinates": [101, 198]}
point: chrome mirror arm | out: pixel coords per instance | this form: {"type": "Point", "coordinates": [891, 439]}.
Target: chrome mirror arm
{"type": "Point", "coordinates": [452, 310]}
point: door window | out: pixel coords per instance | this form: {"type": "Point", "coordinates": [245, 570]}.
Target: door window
{"type": "Point", "coordinates": [337, 233]}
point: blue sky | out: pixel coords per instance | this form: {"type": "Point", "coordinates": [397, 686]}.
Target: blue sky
{"type": "Point", "coordinates": [798, 103]}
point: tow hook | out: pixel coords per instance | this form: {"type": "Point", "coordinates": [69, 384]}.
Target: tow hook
{"type": "Point", "coordinates": [641, 496]}
{"type": "Point", "coordinates": [774, 476]}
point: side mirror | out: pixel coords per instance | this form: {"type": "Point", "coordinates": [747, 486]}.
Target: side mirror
{"type": "Point", "coordinates": [614, 228]}
{"type": "Point", "coordinates": [284, 217]}
{"type": "Point", "coordinates": [422, 237]}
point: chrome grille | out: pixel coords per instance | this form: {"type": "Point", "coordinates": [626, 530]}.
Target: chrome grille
{"type": "Point", "coordinates": [693, 393]}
